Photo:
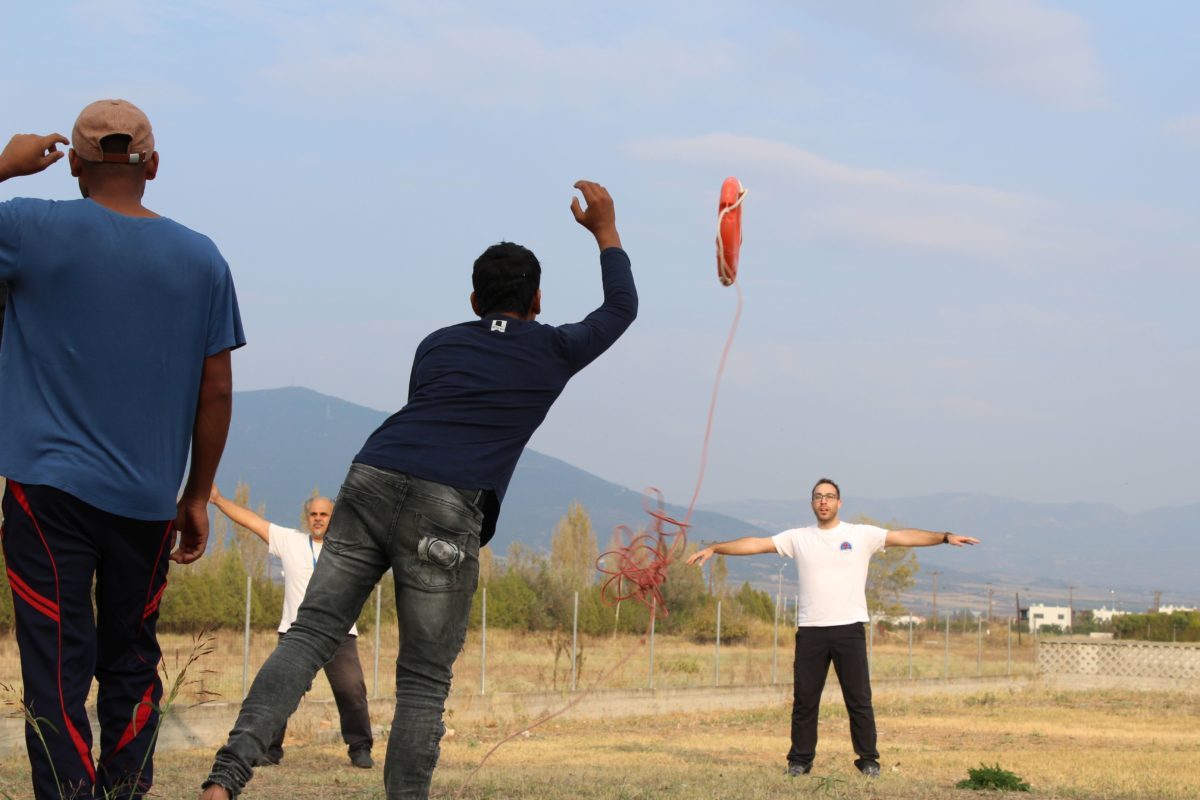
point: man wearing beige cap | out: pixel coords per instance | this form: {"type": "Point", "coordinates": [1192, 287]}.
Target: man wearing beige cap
{"type": "Point", "coordinates": [115, 360]}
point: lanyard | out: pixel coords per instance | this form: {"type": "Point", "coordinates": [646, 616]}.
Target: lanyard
{"type": "Point", "coordinates": [312, 550]}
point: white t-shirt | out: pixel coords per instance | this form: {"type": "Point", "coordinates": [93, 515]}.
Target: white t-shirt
{"type": "Point", "coordinates": [299, 553]}
{"type": "Point", "coordinates": [832, 566]}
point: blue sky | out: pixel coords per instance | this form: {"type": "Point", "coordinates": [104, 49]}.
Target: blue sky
{"type": "Point", "coordinates": [970, 254]}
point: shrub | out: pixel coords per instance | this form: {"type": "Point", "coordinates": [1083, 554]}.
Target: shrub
{"type": "Point", "coordinates": [756, 603]}
{"type": "Point", "coordinates": [993, 778]}
{"type": "Point", "coordinates": [702, 628]}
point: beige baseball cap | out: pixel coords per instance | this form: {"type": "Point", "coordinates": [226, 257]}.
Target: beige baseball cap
{"type": "Point", "coordinates": [105, 118]}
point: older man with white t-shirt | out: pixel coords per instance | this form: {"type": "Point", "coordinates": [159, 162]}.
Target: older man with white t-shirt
{"type": "Point", "coordinates": [298, 552]}
{"type": "Point", "coordinates": [832, 559]}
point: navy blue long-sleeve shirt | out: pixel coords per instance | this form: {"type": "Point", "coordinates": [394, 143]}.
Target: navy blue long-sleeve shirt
{"type": "Point", "coordinates": [479, 390]}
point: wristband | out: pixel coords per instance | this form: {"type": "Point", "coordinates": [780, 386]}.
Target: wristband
{"type": "Point", "coordinates": [946, 537]}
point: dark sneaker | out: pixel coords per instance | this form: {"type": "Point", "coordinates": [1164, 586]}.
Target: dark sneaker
{"type": "Point", "coordinates": [361, 759]}
{"type": "Point", "coordinates": [869, 768]}
{"type": "Point", "coordinates": [796, 768]}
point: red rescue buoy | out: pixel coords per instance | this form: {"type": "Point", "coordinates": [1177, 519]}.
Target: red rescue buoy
{"type": "Point", "coordinates": [729, 230]}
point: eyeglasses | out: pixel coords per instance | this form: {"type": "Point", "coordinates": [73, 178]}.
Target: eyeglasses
{"type": "Point", "coordinates": [819, 497]}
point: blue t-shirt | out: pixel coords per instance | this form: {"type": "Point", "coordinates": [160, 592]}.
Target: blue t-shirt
{"type": "Point", "coordinates": [109, 320]}
{"type": "Point", "coordinates": [480, 389]}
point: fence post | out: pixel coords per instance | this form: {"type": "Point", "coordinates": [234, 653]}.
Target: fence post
{"type": "Point", "coordinates": [717, 673]}
{"type": "Point", "coordinates": [574, 641]}
{"type": "Point", "coordinates": [653, 619]}
{"type": "Point", "coordinates": [979, 657]}
{"type": "Point", "coordinates": [910, 637]}
{"type": "Point", "coordinates": [246, 646]}
{"type": "Point", "coordinates": [1010, 648]}
{"type": "Point", "coordinates": [378, 621]}
{"type": "Point", "coordinates": [483, 644]}
{"type": "Point", "coordinates": [946, 653]}
{"type": "Point", "coordinates": [775, 641]}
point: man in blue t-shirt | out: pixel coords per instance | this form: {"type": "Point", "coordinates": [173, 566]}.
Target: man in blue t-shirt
{"type": "Point", "coordinates": [424, 493]}
{"type": "Point", "coordinates": [115, 361]}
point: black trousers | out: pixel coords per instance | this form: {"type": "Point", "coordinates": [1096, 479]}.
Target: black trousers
{"type": "Point", "coordinates": [54, 545]}
{"type": "Point", "coordinates": [846, 647]}
{"type": "Point", "coordinates": [345, 675]}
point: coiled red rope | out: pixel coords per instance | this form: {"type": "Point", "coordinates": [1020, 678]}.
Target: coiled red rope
{"type": "Point", "coordinates": [637, 569]}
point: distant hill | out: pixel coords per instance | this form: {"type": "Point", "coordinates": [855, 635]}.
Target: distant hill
{"type": "Point", "coordinates": [283, 442]}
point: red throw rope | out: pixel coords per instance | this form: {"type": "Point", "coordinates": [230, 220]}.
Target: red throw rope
{"type": "Point", "coordinates": [638, 569]}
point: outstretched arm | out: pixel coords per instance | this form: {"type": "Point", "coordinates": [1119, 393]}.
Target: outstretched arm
{"type": "Point", "coordinates": [28, 153]}
{"type": "Point", "coordinates": [915, 537]}
{"type": "Point", "coordinates": [746, 546]}
{"type": "Point", "coordinates": [241, 515]}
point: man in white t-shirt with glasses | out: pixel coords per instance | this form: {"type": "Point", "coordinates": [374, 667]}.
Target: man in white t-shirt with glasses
{"type": "Point", "coordinates": [832, 558]}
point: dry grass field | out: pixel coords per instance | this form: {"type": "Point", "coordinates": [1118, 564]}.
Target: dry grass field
{"type": "Point", "coordinates": [526, 662]}
{"type": "Point", "coordinates": [1112, 745]}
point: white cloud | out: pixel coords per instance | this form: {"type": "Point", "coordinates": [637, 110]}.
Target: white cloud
{"type": "Point", "coordinates": [1017, 46]}
{"type": "Point", "coordinates": [864, 205]}
{"type": "Point", "coordinates": [468, 60]}
{"type": "Point", "coordinates": [1186, 129]}
{"type": "Point", "coordinates": [133, 18]}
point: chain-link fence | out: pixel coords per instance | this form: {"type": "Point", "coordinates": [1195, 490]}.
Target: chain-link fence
{"type": "Point", "coordinates": [497, 660]}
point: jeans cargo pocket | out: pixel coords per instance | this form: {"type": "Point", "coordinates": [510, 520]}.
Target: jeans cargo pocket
{"type": "Point", "coordinates": [441, 554]}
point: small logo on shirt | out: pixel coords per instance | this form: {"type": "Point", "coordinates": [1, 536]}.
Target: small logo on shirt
{"type": "Point", "coordinates": [845, 546]}
{"type": "Point", "coordinates": [499, 325]}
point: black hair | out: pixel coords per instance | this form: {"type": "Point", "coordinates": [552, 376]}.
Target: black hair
{"type": "Point", "coordinates": [506, 278]}
{"type": "Point", "coordinates": [831, 483]}
{"type": "Point", "coordinates": [116, 143]}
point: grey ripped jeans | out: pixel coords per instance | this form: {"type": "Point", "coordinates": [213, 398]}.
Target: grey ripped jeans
{"type": "Point", "coordinates": [428, 534]}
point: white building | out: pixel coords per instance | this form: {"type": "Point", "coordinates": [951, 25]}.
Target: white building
{"type": "Point", "coordinates": [1106, 614]}
{"type": "Point", "coordinates": [1173, 609]}
{"type": "Point", "coordinates": [1041, 616]}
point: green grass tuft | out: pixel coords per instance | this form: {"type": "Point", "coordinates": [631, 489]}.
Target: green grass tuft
{"type": "Point", "coordinates": [996, 778]}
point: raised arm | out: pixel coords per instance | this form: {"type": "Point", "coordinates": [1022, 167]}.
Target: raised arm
{"type": "Point", "coordinates": [27, 153]}
{"type": "Point", "coordinates": [599, 216]}
{"type": "Point", "coordinates": [241, 515]}
{"type": "Point", "coordinates": [915, 537]}
{"type": "Point", "coordinates": [746, 546]}
{"type": "Point", "coordinates": [213, 411]}
{"type": "Point", "coordinates": [584, 341]}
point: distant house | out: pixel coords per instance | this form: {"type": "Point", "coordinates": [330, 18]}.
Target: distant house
{"type": "Point", "coordinates": [1041, 616]}
{"type": "Point", "coordinates": [906, 619]}
{"type": "Point", "coordinates": [1106, 614]}
{"type": "Point", "coordinates": [1173, 609]}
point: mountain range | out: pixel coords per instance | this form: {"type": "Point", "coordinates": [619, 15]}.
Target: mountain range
{"type": "Point", "coordinates": [285, 442]}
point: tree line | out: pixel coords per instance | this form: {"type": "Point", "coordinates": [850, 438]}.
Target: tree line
{"type": "Point", "coordinates": [526, 590]}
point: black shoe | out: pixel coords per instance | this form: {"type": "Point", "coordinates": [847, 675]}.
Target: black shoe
{"type": "Point", "coordinates": [361, 758]}
{"type": "Point", "coordinates": [869, 768]}
{"type": "Point", "coordinates": [267, 760]}
{"type": "Point", "coordinates": [797, 768]}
